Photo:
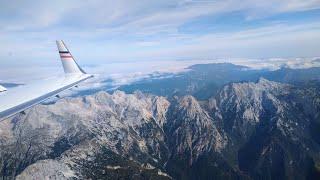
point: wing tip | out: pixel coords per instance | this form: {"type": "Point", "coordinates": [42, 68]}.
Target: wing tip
{"type": "Point", "coordinates": [69, 63]}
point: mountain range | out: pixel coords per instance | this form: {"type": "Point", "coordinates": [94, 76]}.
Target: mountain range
{"type": "Point", "coordinates": [244, 127]}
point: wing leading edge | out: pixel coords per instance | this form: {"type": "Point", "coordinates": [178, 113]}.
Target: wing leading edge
{"type": "Point", "coordinates": [18, 99]}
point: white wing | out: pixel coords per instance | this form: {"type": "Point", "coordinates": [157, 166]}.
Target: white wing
{"type": "Point", "coordinates": [2, 88]}
{"type": "Point", "coordinates": [17, 99]}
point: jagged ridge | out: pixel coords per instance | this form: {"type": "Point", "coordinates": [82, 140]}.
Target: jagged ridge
{"type": "Point", "coordinates": [248, 130]}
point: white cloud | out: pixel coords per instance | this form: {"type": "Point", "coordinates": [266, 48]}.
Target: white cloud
{"type": "Point", "coordinates": [147, 29]}
{"type": "Point", "coordinates": [141, 13]}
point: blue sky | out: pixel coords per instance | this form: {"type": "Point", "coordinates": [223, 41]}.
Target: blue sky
{"type": "Point", "coordinates": [103, 31]}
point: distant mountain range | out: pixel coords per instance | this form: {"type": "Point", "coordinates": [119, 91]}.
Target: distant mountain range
{"type": "Point", "coordinates": [205, 80]}
{"type": "Point", "coordinates": [217, 121]}
{"type": "Point", "coordinates": [10, 85]}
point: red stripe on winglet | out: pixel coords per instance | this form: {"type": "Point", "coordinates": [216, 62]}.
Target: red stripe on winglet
{"type": "Point", "coordinates": [66, 56]}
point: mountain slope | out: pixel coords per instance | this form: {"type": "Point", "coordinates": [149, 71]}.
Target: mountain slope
{"type": "Point", "coordinates": [269, 129]}
{"type": "Point", "coordinates": [262, 130]}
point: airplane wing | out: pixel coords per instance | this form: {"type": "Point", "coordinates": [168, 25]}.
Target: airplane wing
{"type": "Point", "coordinates": [2, 88]}
{"type": "Point", "coordinates": [15, 100]}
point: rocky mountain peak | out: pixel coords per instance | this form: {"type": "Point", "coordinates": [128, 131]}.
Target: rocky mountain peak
{"type": "Point", "coordinates": [263, 80]}
{"type": "Point", "coordinates": [246, 128]}
{"type": "Point", "coordinates": [159, 108]}
{"type": "Point", "coordinates": [191, 130]}
{"type": "Point", "coordinates": [190, 106]}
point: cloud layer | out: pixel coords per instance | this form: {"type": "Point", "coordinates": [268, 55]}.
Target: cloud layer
{"type": "Point", "coordinates": [100, 31]}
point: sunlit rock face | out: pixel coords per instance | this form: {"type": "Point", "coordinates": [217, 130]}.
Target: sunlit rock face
{"type": "Point", "coordinates": [74, 131]}
{"type": "Point", "coordinates": [247, 130]}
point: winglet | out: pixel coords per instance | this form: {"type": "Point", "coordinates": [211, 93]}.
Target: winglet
{"type": "Point", "coordinates": [68, 62]}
